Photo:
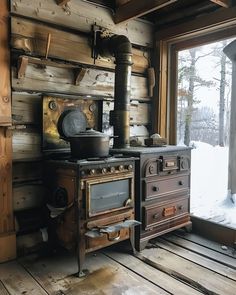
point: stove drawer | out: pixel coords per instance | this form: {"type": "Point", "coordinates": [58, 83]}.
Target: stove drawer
{"type": "Point", "coordinates": [155, 214]}
{"type": "Point", "coordinates": [93, 244]}
{"type": "Point", "coordinates": [163, 186]}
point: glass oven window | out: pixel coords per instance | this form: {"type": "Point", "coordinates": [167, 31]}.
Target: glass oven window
{"type": "Point", "coordinates": [109, 195]}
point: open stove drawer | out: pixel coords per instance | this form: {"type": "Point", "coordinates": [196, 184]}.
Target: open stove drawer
{"type": "Point", "coordinates": [111, 229]}
{"type": "Point", "coordinates": [99, 237]}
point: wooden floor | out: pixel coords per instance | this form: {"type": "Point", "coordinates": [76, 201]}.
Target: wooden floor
{"type": "Point", "coordinates": [177, 263]}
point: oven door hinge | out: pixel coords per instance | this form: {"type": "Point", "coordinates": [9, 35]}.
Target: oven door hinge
{"type": "Point", "coordinates": [82, 185]}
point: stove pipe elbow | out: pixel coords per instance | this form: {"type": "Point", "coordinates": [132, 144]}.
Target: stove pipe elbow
{"type": "Point", "coordinates": [120, 47]}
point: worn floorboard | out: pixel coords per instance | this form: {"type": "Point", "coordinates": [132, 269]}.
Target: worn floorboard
{"type": "Point", "coordinates": [157, 277]}
{"type": "Point", "coordinates": [220, 257]}
{"type": "Point", "coordinates": [206, 243]}
{"type": "Point", "coordinates": [202, 278]}
{"type": "Point", "coordinates": [56, 275]}
{"type": "Point", "coordinates": [196, 258]}
{"type": "Point", "coordinates": [18, 281]}
{"type": "Point", "coordinates": [3, 290]}
{"type": "Point", "coordinates": [177, 264]}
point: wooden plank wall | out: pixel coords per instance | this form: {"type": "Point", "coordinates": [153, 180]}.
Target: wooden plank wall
{"type": "Point", "coordinates": [70, 48]}
{"type": "Point", "coordinates": [7, 235]}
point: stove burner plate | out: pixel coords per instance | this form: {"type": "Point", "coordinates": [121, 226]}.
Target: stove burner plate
{"type": "Point", "coordinates": [99, 158]}
{"type": "Point", "coordinates": [120, 156]}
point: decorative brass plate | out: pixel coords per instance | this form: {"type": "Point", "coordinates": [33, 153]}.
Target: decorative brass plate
{"type": "Point", "coordinates": [52, 109]}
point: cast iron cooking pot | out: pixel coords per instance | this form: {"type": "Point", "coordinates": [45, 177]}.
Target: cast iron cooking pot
{"type": "Point", "coordinates": [84, 143]}
{"type": "Point", "coordinates": [89, 144]}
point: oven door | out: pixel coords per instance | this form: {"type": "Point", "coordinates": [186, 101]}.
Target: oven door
{"type": "Point", "coordinates": [108, 194]}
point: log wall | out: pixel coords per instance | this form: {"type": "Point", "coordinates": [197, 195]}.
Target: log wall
{"type": "Point", "coordinates": [70, 49]}
{"type": "Point", "coordinates": [7, 234]}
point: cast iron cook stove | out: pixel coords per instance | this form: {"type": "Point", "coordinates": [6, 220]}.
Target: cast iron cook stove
{"type": "Point", "coordinates": [91, 202]}
{"type": "Point", "coordinates": [162, 190]}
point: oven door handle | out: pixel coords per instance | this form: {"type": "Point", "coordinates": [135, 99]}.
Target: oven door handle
{"type": "Point", "coordinates": [110, 229]}
{"type": "Point", "coordinates": [113, 239]}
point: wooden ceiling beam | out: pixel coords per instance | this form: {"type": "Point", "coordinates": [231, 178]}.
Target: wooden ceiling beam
{"type": "Point", "coordinates": [223, 3]}
{"type": "Point", "coordinates": [184, 13]}
{"type": "Point", "coordinates": [136, 8]}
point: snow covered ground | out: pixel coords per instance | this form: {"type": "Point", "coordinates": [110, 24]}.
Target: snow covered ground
{"type": "Point", "coordinates": [209, 181]}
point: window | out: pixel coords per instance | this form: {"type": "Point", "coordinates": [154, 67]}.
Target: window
{"type": "Point", "coordinates": [203, 122]}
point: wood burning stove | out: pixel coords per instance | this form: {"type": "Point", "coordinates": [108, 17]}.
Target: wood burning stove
{"type": "Point", "coordinates": [91, 202]}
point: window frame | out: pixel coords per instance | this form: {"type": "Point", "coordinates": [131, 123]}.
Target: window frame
{"type": "Point", "coordinates": [199, 32]}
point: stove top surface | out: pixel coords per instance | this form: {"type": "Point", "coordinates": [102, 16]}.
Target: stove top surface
{"type": "Point", "coordinates": [66, 158]}
{"type": "Point", "coordinates": [146, 150]}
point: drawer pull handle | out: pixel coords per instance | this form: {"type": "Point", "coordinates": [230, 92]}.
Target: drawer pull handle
{"type": "Point", "coordinates": [155, 188]}
{"type": "Point", "coordinates": [181, 182]}
{"type": "Point", "coordinates": [169, 211]}
{"type": "Point", "coordinates": [155, 216]}
{"type": "Point", "coordinates": [116, 238]}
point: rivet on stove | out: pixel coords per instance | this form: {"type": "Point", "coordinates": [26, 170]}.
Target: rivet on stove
{"type": "Point", "coordinates": [52, 105]}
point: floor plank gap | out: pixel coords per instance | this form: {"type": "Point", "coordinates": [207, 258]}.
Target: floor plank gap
{"type": "Point", "coordinates": [137, 273]}
{"type": "Point", "coordinates": [210, 280]}
{"type": "Point", "coordinates": [35, 278]}
{"type": "Point", "coordinates": [3, 290]}
{"type": "Point", "coordinates": [203, 251]}
{"type": "Point", "coordinates": [17, 281]}
{"type": "Point", "coordinates": [176, 275]}
{"type": "Point", "coordinates": [158, 277]}
{"type": "Point", "coordinates": [206, 243]}
{"type": "Point", "coordinates": [206, 263]}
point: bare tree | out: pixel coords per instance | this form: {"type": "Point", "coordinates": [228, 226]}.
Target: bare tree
{"type": "Point", "coordinates": [188, 73]}
{"type": "Point", "coordinates": [190, 96]}
{"type": "Point", "coordinates": [222, 64]}
{"type": "Point", "coordinates": [222, 96]}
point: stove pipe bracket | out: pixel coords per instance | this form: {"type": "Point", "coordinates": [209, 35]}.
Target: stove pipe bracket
{"type": "Point", "coordinates": [119, 47]}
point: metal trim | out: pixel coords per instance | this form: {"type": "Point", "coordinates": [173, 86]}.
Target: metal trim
{"type": "Point", "coordinates": [89, 182]}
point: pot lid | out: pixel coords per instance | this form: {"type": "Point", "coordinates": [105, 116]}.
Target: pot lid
{"type": "Point", "coordinates": [71, 122]}
{"type": "Point", "coordinates": [89, 132]}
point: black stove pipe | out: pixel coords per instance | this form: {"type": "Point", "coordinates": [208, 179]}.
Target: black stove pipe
{"type": "Point", "coordinates": [120, 47]}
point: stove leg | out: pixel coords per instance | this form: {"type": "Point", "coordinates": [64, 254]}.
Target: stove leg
{"type": "Point", "coordinates": [188, 228]}
{"type": "Point", "coordinates": [80, 260]}
{"type": "Point", "coordinates": [132, 240]}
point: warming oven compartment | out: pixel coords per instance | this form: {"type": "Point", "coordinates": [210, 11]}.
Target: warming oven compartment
{"type": "Point", "coordinates": [108, 194]}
